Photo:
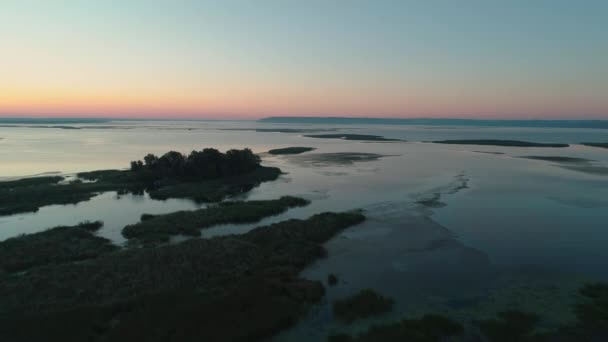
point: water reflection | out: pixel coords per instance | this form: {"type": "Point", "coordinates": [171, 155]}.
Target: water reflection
{"type": "Point", "coordinates": [516, 228]}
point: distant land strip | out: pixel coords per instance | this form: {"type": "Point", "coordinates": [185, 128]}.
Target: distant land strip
{"type": "Point", "coordinates": [51, 121]}
{"type": "Point", "coordinates": [602, 124]}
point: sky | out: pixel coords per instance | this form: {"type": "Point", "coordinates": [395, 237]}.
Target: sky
{"type": "Point", "coordinates": [231, 59]}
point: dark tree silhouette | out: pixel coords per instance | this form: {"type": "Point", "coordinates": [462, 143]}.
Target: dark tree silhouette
{"type": "Point", "coordinates": [199, 165]}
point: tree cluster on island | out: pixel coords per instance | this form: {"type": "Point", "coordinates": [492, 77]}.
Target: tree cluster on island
{"type": "Point", "coordinates": [198, 165]}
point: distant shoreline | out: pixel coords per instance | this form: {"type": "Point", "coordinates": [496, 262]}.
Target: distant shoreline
{"type": "Point", "coordinates": [597, 124]}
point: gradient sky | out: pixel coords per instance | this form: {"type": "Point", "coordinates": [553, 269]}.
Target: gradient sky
{"type": "Point", "coordinates": [250, 59]}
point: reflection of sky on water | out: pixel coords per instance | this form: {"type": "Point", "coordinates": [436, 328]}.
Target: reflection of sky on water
{"type": "Point", "coordinates": [518, 220]}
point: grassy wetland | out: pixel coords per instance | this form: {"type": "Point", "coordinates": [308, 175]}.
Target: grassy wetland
{"type": "Point", "coordinates": [159, 228]}
{"type": "Point", "coordinates": [187, 291]}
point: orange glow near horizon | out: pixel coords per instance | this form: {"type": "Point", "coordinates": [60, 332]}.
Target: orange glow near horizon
{"type": "Point", "coordinates": [246, 103]}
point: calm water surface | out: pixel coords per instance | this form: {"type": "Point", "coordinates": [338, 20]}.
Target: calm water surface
{"type": "Point", "coordinates": [507, 231]}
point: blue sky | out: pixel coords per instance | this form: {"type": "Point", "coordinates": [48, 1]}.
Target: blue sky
{"type": "Point", "coordinates": [524, 59]}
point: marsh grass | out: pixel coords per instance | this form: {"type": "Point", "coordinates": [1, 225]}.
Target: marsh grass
{"type": "Point", "coordinates": [53, 246]}
{"type": "Point", "coordinates": [159, 228]}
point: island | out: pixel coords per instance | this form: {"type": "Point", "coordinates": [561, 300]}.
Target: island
{"type": "Point", "coordinates": [204, 176]}
{"type": "Point", "coordinates": [290, 150]}
{"type": "Point", "coordinates": [359, 137]}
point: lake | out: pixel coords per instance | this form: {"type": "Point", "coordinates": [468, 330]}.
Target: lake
{"type": "Point", "coordinates": [460, 229]}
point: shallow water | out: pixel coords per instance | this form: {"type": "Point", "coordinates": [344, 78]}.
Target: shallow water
{"type": "Point", "coordinates": [521, 233]}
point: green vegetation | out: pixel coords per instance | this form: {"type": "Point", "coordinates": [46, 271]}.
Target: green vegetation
{"type": "Point", "coordinates": [493, 142]}
{"type": "Point", "coordinates": [429, 328]}
{"type": "Point", "coordinates": [602, 145]}
{"type": "Point", "coordinates": [290, 150]}
{"type": "Point", "coordinates": [158, 228]}
{"type": "Point", "coordinates": [53, 246]}
{"type": "Point", "coordinates": [559, 159]}
{"type": "Point", "coordinates": [511, 325]}
{"type": "Point", "coordinates": [364, 304]}
{"type": "Point", "coordinates": [361, 137]}
{"type": "Point", "coordinates": [205, 176]}
{"type": "Point", "coordinates": [214, 190]}
{"type": "Point", "coordinates": [190, 291]}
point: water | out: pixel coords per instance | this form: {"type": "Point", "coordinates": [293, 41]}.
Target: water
{"type": "Point", "coordinates": [522, 233]}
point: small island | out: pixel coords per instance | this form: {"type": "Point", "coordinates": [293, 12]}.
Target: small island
{"type": "Point", "coordinates": [359, 137]}
{"type": "Point", "coordinates": [204, 176]}
{"type": "Point", "coordinates": [495, 142]}
{"type": "Point", "coordinates": [290, 150]}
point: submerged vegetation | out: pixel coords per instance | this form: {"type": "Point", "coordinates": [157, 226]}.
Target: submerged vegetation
{"type": "Point", "coordinates": [591, 324]}
{"type": "Point", "coordinates": [290, 150]}
{"type": "Point", "coordinates": [336, 158]}
{"type": "Point", "coordinates": [190, 291]}
{"type": "Point", "coordinates": [360, 137]}
{"type": "Point", "coordinates": [53, 246]}
{"type": "Point", "coordinates": [495, 142]}
{"type": "Point", "coordinates": [364, 304]}
{"type": "Point", "coordinates": [158, 228]}
{"type": "Point", "coordinates": [429, 328]}
{"type": "Point", "coordinates": [205, 176]}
